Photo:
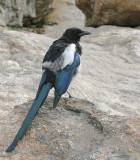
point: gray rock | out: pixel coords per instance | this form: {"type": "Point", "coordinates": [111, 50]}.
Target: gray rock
{"type": "Point", "coordinates": [23, 12]}
{"type": "Point", "coordinates": [100, 122]}
{"type": "Point", "coordinates": [74, 130]}
{"type": "Point", "coordinates": [42, 7]}
{"type": "Point", "coordinates": [110, 12]}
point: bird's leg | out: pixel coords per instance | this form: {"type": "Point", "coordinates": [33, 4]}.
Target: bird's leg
{"type": "Point", "coordinates": [70, 96]}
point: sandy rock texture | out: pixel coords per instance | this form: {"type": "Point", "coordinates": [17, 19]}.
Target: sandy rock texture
{"type": "Point", "coordinates": [23, 12]}
{"type": "Point", "coordinates": [101, 122]}
{"type": "Point", "coordinates": [110, 12]}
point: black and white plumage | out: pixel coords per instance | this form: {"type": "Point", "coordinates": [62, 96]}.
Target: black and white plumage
{"type": "Point", "coordinates": [60, 64]}
{"type": "Point", "coordinates": [65, 56]}
{"type": "Point", "coordinates": [61, 52]}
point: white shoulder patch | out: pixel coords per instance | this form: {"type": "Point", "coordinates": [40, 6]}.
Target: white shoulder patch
{"type": "Point", "coordinates": [68, 55]}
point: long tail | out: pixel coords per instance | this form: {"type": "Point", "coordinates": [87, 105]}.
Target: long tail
{"type": "Point", "coordinates": [40, 98]}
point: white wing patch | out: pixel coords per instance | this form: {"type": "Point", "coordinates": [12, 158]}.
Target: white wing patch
{"type": "Point", "coordinates": [68, 55]}
{"type": "Point", "coordinates": [65, 59]}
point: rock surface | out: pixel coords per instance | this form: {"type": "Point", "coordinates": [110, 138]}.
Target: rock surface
{"type": "Point", "coordinates": [100, 122]}
{"type": "Point", "coordinates": [64, 16]}
{"type": "Point", "coordinates": [74, 130]}
{"type": "Point", "coordinates": [43, 7]}
{"type": "Point", "coordinates": [110, 12]}
{"type": "Point", "coordinates": [23, 12]}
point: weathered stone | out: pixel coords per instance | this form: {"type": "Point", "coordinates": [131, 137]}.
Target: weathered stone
{"type": "Point", "coordinates": [23, 12]}
{"type": "Point", "coordinates": [65, 16]}
{"type": "Point", "coordinates": [2, 29]}
{"type": "Point", "coordinates": [110, 12]}
{"type": "Point", "coordinates": [13, 11]}
{"type": "Point", "coordinates": [101, 122]}
{"type": "Point", "coordinates": [43, 7]}
{"type": "Point", "coordinates": [74, 130]}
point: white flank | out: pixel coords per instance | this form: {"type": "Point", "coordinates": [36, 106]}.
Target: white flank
{"type": "Point", "coordinates": [46, 64]}
{"type": "Point", "coordinates": [68, 55]}
{"type": "Point", "coordinates": [78, 69]}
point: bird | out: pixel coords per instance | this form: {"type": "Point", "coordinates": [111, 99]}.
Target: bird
{"type": "Point", "coordinates": [60, 64]}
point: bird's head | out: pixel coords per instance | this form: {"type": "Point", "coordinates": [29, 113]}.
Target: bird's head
{"type": "Point", "coordinates": [74, 34]}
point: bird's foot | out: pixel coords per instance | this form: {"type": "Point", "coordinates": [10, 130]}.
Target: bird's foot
{"type": "Point", "coordinates": [70, 96]}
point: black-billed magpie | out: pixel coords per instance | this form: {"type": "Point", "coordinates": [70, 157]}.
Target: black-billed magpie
{"type": "Point", "coordinates": [60, 64]}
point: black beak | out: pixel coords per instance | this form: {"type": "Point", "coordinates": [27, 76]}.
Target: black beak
{"type": "Point", "coordinates": [84, 33]}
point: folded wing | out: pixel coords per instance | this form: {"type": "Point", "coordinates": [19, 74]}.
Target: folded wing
{"type": "Point", "coordinates": [64, 77]}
